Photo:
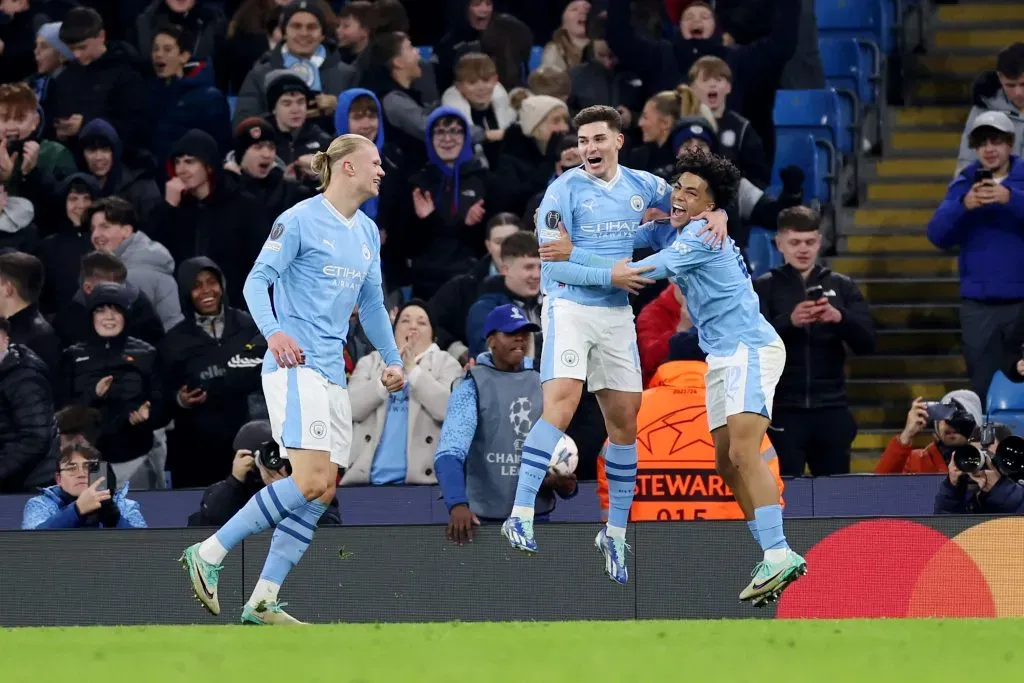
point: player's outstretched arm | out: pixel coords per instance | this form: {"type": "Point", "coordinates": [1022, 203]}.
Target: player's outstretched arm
{"type": "Point", "coordinates": [377, 325]}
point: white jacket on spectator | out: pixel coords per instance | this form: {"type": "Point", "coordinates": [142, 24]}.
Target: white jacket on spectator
{"type": "Point", "coordinates": [503, 110]}
{"type": "Point", "coordinates": [430, 385]}
{"type": "Point", "coordinates": [151, 269]}
{"type": "Point", "coordinates": [985, 99]}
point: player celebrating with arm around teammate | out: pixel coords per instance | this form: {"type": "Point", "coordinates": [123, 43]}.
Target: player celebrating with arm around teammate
{"type": "Point", "coordinates": [323, 259]}
{"type": "Point", "coordinates": [588, 323]}
{"type": "Point", "coordinates": [745, 354]}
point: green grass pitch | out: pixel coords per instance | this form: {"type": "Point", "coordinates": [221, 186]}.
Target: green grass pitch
{"type": "Point", "coordinates": [759, 651]}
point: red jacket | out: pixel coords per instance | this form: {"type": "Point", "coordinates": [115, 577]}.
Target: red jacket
{"type": "Point", "coordinates": [655, 325]}
{"type": "Point", "coordinates": [900, 459]}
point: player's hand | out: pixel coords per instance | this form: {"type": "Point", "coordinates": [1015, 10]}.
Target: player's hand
{"type": "Point", "coordinates": [286, 352]}
{"type": "Point", "coordinates": [460, 525]}
{"type": "Point", "coordinates": [103, 386]}
{"type": "Point", "coordinates": [625, 276]}
{"type": "Point", "coordinates": [562, 484]}
{"type": "Point", "coordinates": [653, 214]}
{"type": "Point", "coordinates": [137, 417]}
{"type": "Point", "coordinates": [393, 378]}
{"type": "Point", "coordinates": [476, 213]}
{"type": "Point", "coordinates": [557, 250]}
{"type": "Point", "coordinates": [242, 464]}
{"type": "Point", "coordinates": [917, 418]}
{"type": "Point", "coordinates": [717, 227]}
{"type": "Point", "coordinates": [173, 190]}
{"type": "Point", "coordinates": [92, 498]}
{"type": "Point", "coordinates": [805, 313]}
{"type": "Point", "coordinates": [422, 202]}
{"type": "Point", "coordinates": [189, 398]}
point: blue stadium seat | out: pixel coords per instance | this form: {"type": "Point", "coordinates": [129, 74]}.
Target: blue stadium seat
{"type": "Point", "coordinates": [535, 55]}
{"type": "Point", "coordinates": [847, 68]}
{"type": "Point", "coordinates": [1004, 395]}
{"type": "Point", "coordinates": [426, 52]}
{"type": "Point", "coordinates": [869, 22]}
{"type": "Point", "coordinates": [761, 252]}
{"type": "Point", "coordinates": [793, 148]}
{"type": "Point", "coordinates": [232, 101]}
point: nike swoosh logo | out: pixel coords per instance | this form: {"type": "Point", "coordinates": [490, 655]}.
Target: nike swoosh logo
{"type": "Point", "coordinates": [202, 582]}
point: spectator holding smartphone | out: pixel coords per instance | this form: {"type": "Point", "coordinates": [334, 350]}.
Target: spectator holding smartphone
{"type": "Point", "coordinates": [953, 421]}
{"type": "Point", "coordinates": [76, 502]}
{"type": "Point", "coordinates": [982, 214]}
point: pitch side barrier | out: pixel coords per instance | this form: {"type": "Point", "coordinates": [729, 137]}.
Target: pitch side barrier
{"type": "Point", "coordinates": [880, 567]}
{"type": "Point", "coordinates": [847, 496]}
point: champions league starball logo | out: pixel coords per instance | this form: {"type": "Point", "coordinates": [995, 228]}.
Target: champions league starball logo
{"type": "Point", "coordinates": [519, 416]}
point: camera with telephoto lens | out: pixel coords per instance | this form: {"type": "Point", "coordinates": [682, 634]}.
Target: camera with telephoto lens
{"type": "Point", "coordinates": [268, 454]}
{"type": "Point", "coordinates": [968, 459]}
{"type": "Point", "coordinates": [1009, 457]}
{"type": "Point", "coordinates": [953, 414]}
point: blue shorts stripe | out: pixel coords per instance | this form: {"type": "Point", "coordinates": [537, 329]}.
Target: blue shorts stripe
{"type": "Point", "coordinates": [626, 479]}
{"type": "Point", "coordinates": [291, 431]}
{"type": "Point", "coordinates": [753, 394]}
{"type": "Point", "coordinates": [301, 522]}
{"type": "Point", "coordinates": [540, 465]}
{"type": "Point", "coordinates": [263, 508]}
{"type": "Point", "coordinates": [536, 451]}
{"type": "Point", "coordinates": [617, 466]}
{"type": "Point", "coordinates": [294, 534]}
{"type": "Point", "coordinates": [277, 502]}
{"type": "Point", "coordinates": [547, 353]}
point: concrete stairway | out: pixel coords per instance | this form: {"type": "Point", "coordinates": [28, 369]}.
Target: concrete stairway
{"type": "Point", "coordinates": [912, 287]}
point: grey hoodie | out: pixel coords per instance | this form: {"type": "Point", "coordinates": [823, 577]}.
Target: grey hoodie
{"type": "Point", "coordinates": [16, 215]}
{"type": "Point", "coordinates": [151, 270]}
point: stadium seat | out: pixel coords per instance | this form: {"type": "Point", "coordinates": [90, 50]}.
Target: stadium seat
{"type": "Point", "coordinates": [819, 114]}
{"type": "Point", "coordinates": [232, 101]}
{"type": "Point", "coordinates": [864, 20]}
{"type": "Point", "coordinates": [1005, 403]}
{"type": "Point", "coordinates": [535, 55]}
{"type": "Point", "coordinates": [799, 149]}
{"type": "Point", "coordinates": [847, 68]}
{"type": "Point", "coordinates": [761, 252]}
{"type": "Point", "coordinates": [426, 52]}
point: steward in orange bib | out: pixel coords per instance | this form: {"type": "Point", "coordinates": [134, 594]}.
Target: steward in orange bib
{"type": "Point", "coordinates": [676, 478]}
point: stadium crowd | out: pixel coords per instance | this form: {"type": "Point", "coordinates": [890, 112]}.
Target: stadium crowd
{"type": "Point", "coordinates": [147, 149]}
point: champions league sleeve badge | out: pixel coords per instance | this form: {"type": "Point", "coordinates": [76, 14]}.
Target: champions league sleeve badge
{"type": "Point", "coordinates": [552, 220]}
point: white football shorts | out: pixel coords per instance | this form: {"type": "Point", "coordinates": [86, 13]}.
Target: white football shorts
{"type": "Point", "coordinates": [743, 382]}
{"type": "Point", "coordinates": [309, 412]}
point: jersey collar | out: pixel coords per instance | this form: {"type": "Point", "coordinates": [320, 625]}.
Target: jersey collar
{"type": "Point", "coordinates": [347, 222]}
{"type": "Point", "coordinates": [606, 184]}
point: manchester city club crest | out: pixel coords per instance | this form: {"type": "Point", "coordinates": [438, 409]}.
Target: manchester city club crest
{"type": "Point", "coordinates": [366, 252]}
{"type": "Point", "coordinates": [636, 202]}
{"type": "Point", "coordinates": [304, 70]}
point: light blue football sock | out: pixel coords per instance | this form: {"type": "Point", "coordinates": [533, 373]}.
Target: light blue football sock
{"type": "Point", "coordinates": [269, 506]}
{"type": "Point", "coordinates": [533, 464]}
{"type": "Point", "coordinates": [292, 537]}
{"type": "Point", "coordinates": [769, 527]}
{"type": "Point", "coordinates": [620, 468]}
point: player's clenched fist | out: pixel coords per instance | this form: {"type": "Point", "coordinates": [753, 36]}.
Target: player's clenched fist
{"type": "Point", "coordinates": [286, 351]}
{"type": "Point", "coordinates": [393, 378]}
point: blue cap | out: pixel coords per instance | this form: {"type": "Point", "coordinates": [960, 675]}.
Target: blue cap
{"type": "Point", "coordinates": [508, 319]}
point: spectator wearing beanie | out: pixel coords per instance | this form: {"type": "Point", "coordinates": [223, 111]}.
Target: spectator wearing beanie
{"type": "Point", "coordinates": [296, 136]}
{"type": "Point", "coordinates": [102, 153]}
{"type": "Point", "coordinates": [260, 171]}
{"type": "Point", "coordinates": [205, 25]}
{"type": "Point", "coordinates": [182, 94]}
{"type": "Point", "coordinates": [51, 57]}
{"type": "Point", "coordinates": [119, 376]}
{"type": "Point", "coordinates": [304, 52]}
{"type": "Point", "coordinates": [204, 213]}
{"type": "Point", "coordinates": [530, 152]}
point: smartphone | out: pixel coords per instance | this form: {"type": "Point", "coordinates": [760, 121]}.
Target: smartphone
{"type": "Point", "coordinates": [982, 174]}
{"type": "Point", "coordinates": [815, 292]}
{"type": "Point", "coordinates": [97, 472]}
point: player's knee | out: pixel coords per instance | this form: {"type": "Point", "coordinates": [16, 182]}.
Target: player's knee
{"type": "Point", "coordinates": [741, 458]}
{"type": "Point", "coordinates": [725, 467]}
{"type": "Point", "coordinates": [314, 482]}
{"type": "Point", "coordinates": [621, 431]}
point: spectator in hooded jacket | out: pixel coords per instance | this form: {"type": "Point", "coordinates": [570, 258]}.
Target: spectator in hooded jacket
{"type": "Point", "coordinates": [21, 283]}
{"type": "Point", "coordinates": [304, 52]}
{"type": "Point", "coordinates": [205, 214]}
{"type": "Point", "coordinates": [52, 56]}
{"type": "Point", "coordinates": [982, 214]}
{"type": "Point", "coordinates": [449, 307]}
{"type": "Point", "coordinates": [359, 112]}
{"type": "Point", "coordinates": [395, 435]}
{"type": "Point", "coordinates": [74, 503]}
{"type": "Point", "coordinates": [62, 250]}
{"type": "Point", "coordinates": [529, 153]}
{"type": "Point", "coordinates": [104, 81]}
{"type": "Point", "coordinates": [103, 155]}
{"type": "Point", "coordinates": [150, 266]}
{"type": "Point", "coordinates": [261, 173]}
{"type": "Point", "coordinates": [296, 136]}
{"type": "Point", "coordinates": [518, 283]}
{"type": "Point", "coordinates": [599, 79]}
{"type": "Point", "coordinates": [481, 99]}
{"type": "Point", "coordinates": [73, 322]}
{"type": "Point", "coordinates": [448, 198]}
{"type": "Point", "coordinates": [463, 39]}
{"type": "Point", "coordinates": [204, 25]}
{"type": "Point", "coordinates": [118, 375]}
{"type": "Point", "coordinates": [1001, 90]}
{"type": "Point", "coordinates": [37, 165]}
{"type": "Point", "coordinates": [212, 362]}
{"type": "Point", "coordinates": [182, 93]}
{"type": "Point", "coordinates": [28, 433]}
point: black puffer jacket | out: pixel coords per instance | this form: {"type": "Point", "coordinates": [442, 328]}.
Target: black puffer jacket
{"type": "Point", "coordinates": [133, 365]}
{"type": "Point", "coordinates": [28, 430]}
{"type": "Point", "coordinates": [815, 356]}
{"type": "Point", "coordinates": [228, 369]}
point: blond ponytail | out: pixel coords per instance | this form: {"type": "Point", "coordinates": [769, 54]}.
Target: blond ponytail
{"type": "Point", "coordinates": [340, 147]}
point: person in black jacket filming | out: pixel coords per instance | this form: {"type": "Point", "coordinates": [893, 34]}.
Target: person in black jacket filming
{"type": "Point", "coordinates": [212, 361]}
{"type": "Point", "coordinates": [984, 483]}
{"type": "Point", "coordinates": [116, 374]}
{"type": "Point", "coordinates": [257, 463]}
{"type": "Point", "coordinates": [818, 313]}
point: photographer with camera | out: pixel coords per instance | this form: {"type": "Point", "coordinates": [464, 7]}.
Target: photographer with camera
{"type": "Point", "coordinates": [257, 463]}
{"type": "Point", "coordinates": [955, 418]}
{"type": "Point", "coordinates": [85, 496]}
{"type": "Point", "coordinates": [983, 483]}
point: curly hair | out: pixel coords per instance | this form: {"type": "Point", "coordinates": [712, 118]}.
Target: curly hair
{"type": "Point", "coordinates": [722, 177]}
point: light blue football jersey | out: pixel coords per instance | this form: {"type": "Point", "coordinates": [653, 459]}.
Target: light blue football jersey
{"type": "Point", "coordinates": [720, 296]}
{"type": "Point", "coordinates": [601, 217]}
{"type": "Point", "coordinates": [322, 266]}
